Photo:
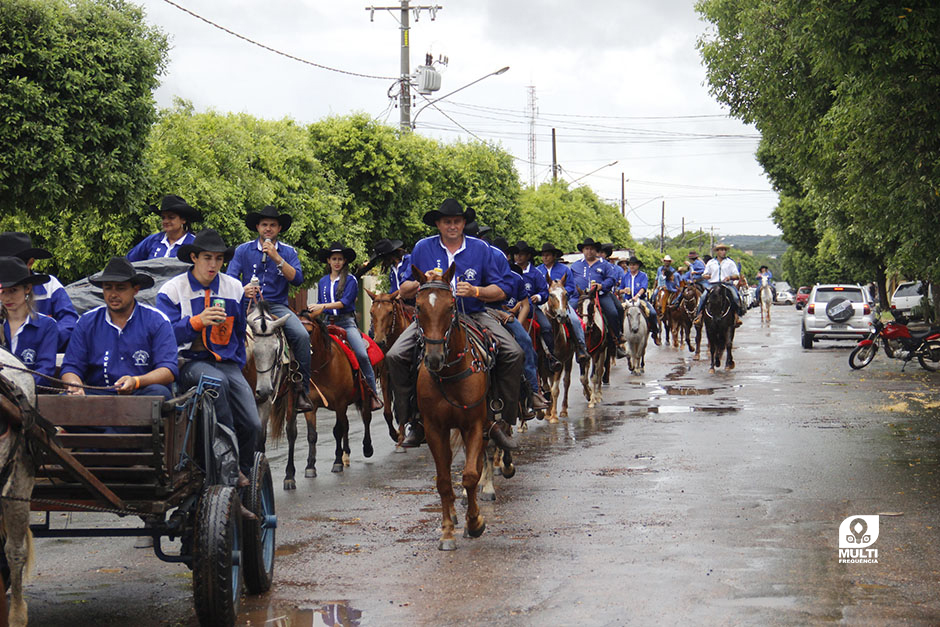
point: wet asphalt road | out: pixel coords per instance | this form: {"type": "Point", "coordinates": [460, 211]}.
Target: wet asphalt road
{"type": "Point", "coordinates": [685, 497]}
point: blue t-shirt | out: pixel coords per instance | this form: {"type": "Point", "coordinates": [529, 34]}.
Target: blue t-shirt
{"type": "Point", "coordinates": [327, 292]}
{"type": "Point", "coordinates": [535, 283]}
{"type": "Point", "coordinates": [100, 353]}
{"type": "Point", "coordinates": [247, 263]}
{"type": "Point", "coordinates": [397, 274]}
{"type": "Point", "coordinates": [634, 284]}
{"type": "Point", "coordinates": [156, 245]}
{"type": "Point", "coordinates": [600, 272]}
{"type": "Point", "coordinates": [35, 344]}
{"type": "Point", "coordinates": [696, 270]}
{"type": "Point", "coordinates": [559, 270]}
{"type": "Point", "coordinates": [52, 299]}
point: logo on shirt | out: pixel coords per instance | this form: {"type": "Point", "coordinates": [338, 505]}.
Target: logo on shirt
{"type": "Point", "coordinates": [28, 357]}
{"type": "Point", "coordinates": [141, 358]}
{"type": "Point", "coordinates": [528, 287]}
{"type": "Point", "coordinates": [470, 274]}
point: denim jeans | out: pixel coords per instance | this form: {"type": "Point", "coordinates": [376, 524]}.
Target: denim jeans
{"type": "Point", "coordinates": [358, 346]}
{"type": "Point", "coordinates": [298, 338]}
{"type": "Point", "coordinates": [530, 361]}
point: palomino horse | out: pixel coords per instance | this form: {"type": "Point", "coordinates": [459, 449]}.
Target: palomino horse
{"type": "Point", "coordinates": [636, 332]}
{"type": "Point", "coordinates": [389, 319]}
{"type": "Point", "coordinates": [683, 318]}
{"type": "Point", "coordinates": [557, 311]}
{"type": "Point", "coordinates": [595, 335]}
{"type": "Point", "coordinates": [665, 313]}
{"type": "Point", "coordinates": [452, 391]}
{"type": "Point", "coordinates": [331, 376]}
{"type": "Point", "coordinates": [718, 314]}
{"type": "Point", "coordinates": [17, 390]}
{"type": "Point", "coordinates": [268, 372]}
{"type": "Point", "coordinates": [766, 298]}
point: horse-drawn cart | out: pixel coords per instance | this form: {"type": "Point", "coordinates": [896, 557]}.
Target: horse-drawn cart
{"type": "Point", "coordinates": [144, 457]}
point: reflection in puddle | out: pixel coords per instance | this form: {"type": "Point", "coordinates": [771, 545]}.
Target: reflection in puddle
{"type": "Point", "coordinates": [339, 614]}
{"type": "Point", "coordinates": [688, 390]}
{"type": "Point", "coordinates": [685, 409]}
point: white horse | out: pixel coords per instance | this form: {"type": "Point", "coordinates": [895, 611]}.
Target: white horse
{"type": "Point", "coordinates": [766, 298]}
{"type": "Point", "coordinates": [18, 544]}
{"type": "Point", "coordinates": [636, 332]}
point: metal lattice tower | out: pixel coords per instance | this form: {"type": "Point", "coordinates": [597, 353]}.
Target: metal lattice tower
{"type": "Point", "coordinates": [532, 112]}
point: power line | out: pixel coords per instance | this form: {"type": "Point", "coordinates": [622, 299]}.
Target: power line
{"type": "Point", "coordinates": [274, 50]}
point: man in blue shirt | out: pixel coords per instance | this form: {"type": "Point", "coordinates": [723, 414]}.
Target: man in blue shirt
{"type": "Point", "coordinates": [553, 271]}
{"type": "Point", "coordinates": [123, 345]}
{"type": "Point", "coordinates": [207, 312]}
{"type": "Point", "coordinates": [50, 298]}
{"type": "Point", "coordinates": [479, 278]}
{"type": "Point", "coordinates": [635, 286]}
{"type": "Point", "coordinates": [537, 290]}
{"type": "Point", "coordinates": [693, 275]}
{"type": "Point", "coordinates": [593, 270]}
{"type": "Point", "coordinates": [177, 218]}
{"type": "Point", "coordinates": [265, 267]}
{"type": "Point", "coordinates": [390, 253]}
{"type": "Point", "coordinates": [762, 272]}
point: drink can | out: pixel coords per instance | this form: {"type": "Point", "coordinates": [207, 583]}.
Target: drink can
{"type": "Point", "coordinates": [218, 302]}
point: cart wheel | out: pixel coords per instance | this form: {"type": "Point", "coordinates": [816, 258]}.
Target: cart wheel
{"type": "Point", "coordinates": [259, 535]}
{"type": "Point", "coordinates": [217, 576]}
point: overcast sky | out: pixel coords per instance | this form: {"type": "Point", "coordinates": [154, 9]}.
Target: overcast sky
{"type": "Point", "coordinates": [619, 80]}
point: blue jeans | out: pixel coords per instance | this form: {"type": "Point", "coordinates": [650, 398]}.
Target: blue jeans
{"type": "Point", "coordinates": [734, 296]}
{"type": "Point", "coordinates": [609, 306]}
{"type": "Point", "coordinates": [545, 329]}
{"type": "Point", "coordinates": [234, 406]}
{"type": "Point", "coordinates": [358, 346]}
{"type": "Point", "coordinates": [530, 360]}
{"type": "Point", "coordinates": [576, 327]}
{"type": "Point", "coordinates": [298, 338]}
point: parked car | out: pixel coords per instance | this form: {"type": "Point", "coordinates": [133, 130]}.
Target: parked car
{"type": "Point", "coordinates": [802, 295]}
{"type": "Point", "coordinates": [785, 294]}
{"type": "Point", "coordinates": [836, 312]}
{"type": "Point", "coordinates": [907, 296]}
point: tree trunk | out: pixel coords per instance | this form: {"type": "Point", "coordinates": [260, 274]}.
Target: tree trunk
{"type": "Point", "coordinates": [882, 280]}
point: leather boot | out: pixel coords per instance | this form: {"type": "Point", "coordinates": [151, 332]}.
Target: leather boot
{"type": "Point", "coordinates": [554, 365]}
{"type": "Point", "coordinates": [621, 353]}
{"type": "Point", "coordinates": [502, 439]}
{"type": "Point", "coordinates": [539, 402]}
{"type": "Point", "coordinates": [414, 436]}
{"type": "Point", "coordinates": [303, 404]}
{"type": "Point", "coordinates": [737, 320]}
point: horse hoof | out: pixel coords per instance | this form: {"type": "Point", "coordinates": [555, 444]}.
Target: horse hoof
{"type": "Point", "coordinates": [367, 450]}
{"type": "Point", "coordinates": [400, 449]}
{"type": "Point", "coordinates": [310, 473]}
{"type": "Point", "coordinates": [508, 471]}
{"type": "Point", "coordinates": [711, 371]}
{"type": "Point", "coordinates": [290, 484]}
{"type": "Point", "coordinates": [474, 533]}
{"type": "Point", "coordinates": [487, 496]}
{"type": "Point", "coordinates": [447, 545]}
{"type": "Point", "coordinates": [338, 467]}
{"type": "Point", "coordinates": [553, 420]}
{"type": "Point", "coordinates": [563, 414]}
{"type": "Point", "coordinates": [523, 427]}
{"type": "Point", "coordinates": [729, 366]}
{"type": "Point", "coordinates": [345, 459]}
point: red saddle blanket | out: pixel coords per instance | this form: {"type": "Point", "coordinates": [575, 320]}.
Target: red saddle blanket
{"type": "Point", "coordinates": [375, 353]}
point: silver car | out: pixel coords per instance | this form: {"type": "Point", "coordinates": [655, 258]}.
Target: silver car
{"type": "Point", "coordinates": [836, 312]}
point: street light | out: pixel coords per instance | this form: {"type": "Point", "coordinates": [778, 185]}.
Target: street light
{"type": "Point", "coordinates": [593, 171]}
{"type": "Point", "coordinates": [436, 100]}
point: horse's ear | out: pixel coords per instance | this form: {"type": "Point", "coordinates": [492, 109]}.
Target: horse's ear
{"type": "Point", "coordinates": [394, 295]}
{"type": "Point", "coordinates": [515, 309]}
{"type": "Point", "coordinates": [280, 322]}
{"type": "Point", "coordinates": [563, 278]}
{"type": "Point", "coordinates": [418, 275]}
{"type": "Point", "coordinates": [371, 294]}
{"type": "Point", "coordinates": [580, 291]}
{"type": "Point", "coordinates": [449, 275]}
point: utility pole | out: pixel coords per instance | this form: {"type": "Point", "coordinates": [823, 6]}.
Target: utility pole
{"type": "Point", "coordinates": [554, 159]}
{"type": "Point", "coordinates": [532, 110]}
{"type": "Point", "coordinates": [683, 227]}
{"type": "Point", "coordinates": [623, 195]}
{"type": "Point", "coordinates": [405, 104]}
{"type": "Point", "coordinates": [662, 230]}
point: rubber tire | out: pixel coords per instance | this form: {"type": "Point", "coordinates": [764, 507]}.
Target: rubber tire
{"type": "Point", "coordinates": [843, 315]}
{"type": "Point", "coordinates": [930, 364]}
{"type": "Point", "coordinates": [259, 540]}
{"type": "Point", "coordinates": [217, 573]}
{"type": "Point", "coordinates": [856, 362]}
{"type": "Point", "coordinates": [806, 339]}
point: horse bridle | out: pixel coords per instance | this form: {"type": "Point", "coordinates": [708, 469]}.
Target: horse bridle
{"type": "Point", "coordinates": [720, 286]}
{"type": "Point", "coordinates": [280, 348]}
{"type": "Point", "coordinates": [445, 341]}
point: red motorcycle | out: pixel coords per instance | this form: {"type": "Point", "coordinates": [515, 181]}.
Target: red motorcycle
{"type": "Point", "coordinates": [899, 343]}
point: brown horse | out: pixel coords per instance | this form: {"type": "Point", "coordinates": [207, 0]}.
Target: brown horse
{"type": "Point", "coordinates": [389, 319]}
{"type": "Point", "coordinates": [557, 312]}
{"type": "Point", "coordinates": [332, 378]}
{"type": "Point", "coordinates": [684, 316]}
{"type": "Point", "coordinates": [598, 344]}
{"type": "Point", "coordinates": [665, 313]}
{"type": "Point", "coordinates": [452, 391]}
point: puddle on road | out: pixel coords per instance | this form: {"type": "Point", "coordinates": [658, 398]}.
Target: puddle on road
{"type": "Point", "coordinates": [688, 409]}
{"type": "Point", "coordinates": [338, 614]}
{"type": "Point", "coordinates": [688, 390]}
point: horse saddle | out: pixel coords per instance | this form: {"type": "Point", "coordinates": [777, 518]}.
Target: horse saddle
{"type": "Point", "coordinates": [372, 349]}
{"type": "Point", "coordinates": [480, 338]}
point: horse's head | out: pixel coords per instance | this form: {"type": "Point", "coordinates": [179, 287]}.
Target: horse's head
{"type": "Point", "coordinates": [558, 300]}
{"type": "Point", "coordinates": [269, 347]}
{"type": "Point", "coordinates": [437, 316]}
{"type": "Point", "coordinates": [633, 315]}
{"type": "Point", "coordinates": [384, 317]}
{"type": "Point", "coordinates": [585, 307]}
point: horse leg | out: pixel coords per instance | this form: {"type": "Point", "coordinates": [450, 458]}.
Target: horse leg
{"type": "Point", "coordinates": [340, 435]}
{"type": "Point", "coordinates": [387, 399]}
{"type": "Point", "coordinates": [586, 379]}
{"type": "Point", "coordinates": [439, 442]}
{"type": "Point", "coordinates": [473, 468]}
{"type": "Point", "coordinates": [566, 385]}
{"type": "Point", "coordinates": [553, 410]}
{"type": "Point", "coordinates": [291, 428]}
{"type": "Point", "coordinates": [488, 490]}
{"type": "Point", "coordinates": [311, 418]}
{"type": "Point", "coordinates": [367, 449]}
{"type": "Point", "coordinates": [19, 540]}
{"type": "Point", "coordinates": [729, 361]}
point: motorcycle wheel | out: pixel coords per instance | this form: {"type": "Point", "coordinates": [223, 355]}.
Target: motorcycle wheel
{"type": "Point", "coordinates": [929, 357]}
{"type": "Point", "coordinates": [862, 355]}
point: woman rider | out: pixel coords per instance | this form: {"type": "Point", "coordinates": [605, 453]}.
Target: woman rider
{"type": "Point", "coordinates": [177, 219]}
{"type": "Point", "coordinates": [32, 337]}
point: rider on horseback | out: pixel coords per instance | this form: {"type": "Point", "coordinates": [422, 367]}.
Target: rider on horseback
{"type": "Point", "coordinates": [764, 272]}
{"type": "Point", "coordinates": [593, 270]}
{"type": "Point", "coordinates": [721, 270]}
{"type": "Point", "coordinates": [479, 279]}
{"type": "Point", "coordinates": [666, 278]}
{"type": "Point", "coordinates": [537, 290]}
{"type": "Point", "coordinates": [551, 270]}
{"type": "Point", "coordinates": [693, 274]}
{"type": "Point", "coordinates": [634, 286]}
{"type": "Point", "coordinates": [393, 258]}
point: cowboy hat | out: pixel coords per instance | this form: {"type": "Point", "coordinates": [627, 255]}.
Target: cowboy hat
{"type": "Point", "coordinates": [667, 258]}
{"type": "Point", "coordinates": [608, 248]}
{"type": "Point", "coordinates": [502, 244]}
{"type": "Point", "coordinates": [522, 247]}
{"type": "Point", "coordinates": [207, 240]}
{"type": "Point", "coordinates": [336, 247]}
{"type": "Point", "coordinates": [449, 207]}
{"type": "Point", "coordinates": [693, 254]}
{"type": "Point", "coordinates": [634, 260]}
{"type": "Point", "coordinates": [385, 247]}
{"type": "Point", "coordinates": [721, 245]}
{"type": "Point", "coordinates": [14, 244]}
{"type": "Point", "coordinates": [120, 270]}
{"type": "Point", "coordinates": [589, 242]}
{"type": "Point", "coordinates": [13, 272]}
{"type": "Point", "coordinates": [476, 229]}
{"type": "Point", "coordinates": [548, 247]}
{"type": "Point", "coordinates": [253, 218]}
{"type": "Point", "coordinates": [175, 204]}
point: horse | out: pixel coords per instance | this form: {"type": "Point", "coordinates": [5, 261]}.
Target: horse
{"type": "Point", "coordinates": [595, 335]}
{"type": "Point", "coordinates": [718, 314]}
{"type": "Point", "coordinates": [389, 319]}
{"type": "Point", "coordinates": [268, 372]}
{"type": "Point", "coordinates": [17, 390]}
{"type": "Point", "coordinates": [684, 317]}
{"type": "Point", "coordinates": [766, 297]}
{"type": "Point", "coordinates": [452, 394]}
{"type": "Point", "coordinates": [637, 335]}
{"type": "Point", "coordinates": [557, 312]}
{"type": "Point", "coordinates": [661, 304]}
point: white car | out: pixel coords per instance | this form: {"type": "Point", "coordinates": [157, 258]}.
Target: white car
{"type": "Point", "coordinates": [907, 296]}
{"type": "Point", "coordinates": [836, 312]}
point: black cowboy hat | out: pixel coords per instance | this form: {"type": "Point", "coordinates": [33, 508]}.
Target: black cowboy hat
{"type": "Point", "coordinates": [763, 268]}
{"type": "Point", "coordinates": [14, 244]}
{"type": "Point", "coordinates": [589, 242]}
{"type": "Point", "coordinates": [449, 207]}
{"type": "Point", "coordinates": [502, 244]}
{"type": "Point", "coordinates": [693, 254]}
{"type": "Point", "coordinates": [634, 260]}
{"type": "Point", "coordinates": [253, 218]}
{"type": "Point", "coordinates": [522, 247]}
{"type": "Point", "coordinates": [476, 229]}
{"type": "Point", "coordinates": [13, 272]}
{"type": "Point", "coordinates": [207, 240]}
{"type": "Point", "coordinates": [385, 247]}
{"type": "Point", "coordinates": [608, 248]}
{"type": "Point", "coordinates": [175, 204]}
{"type": "Point", "coordinates": [119, 270]}
{"type": "Point", "coordinates": [551, 248]}
{"type": "Point", "coordinates": [336, 247]}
